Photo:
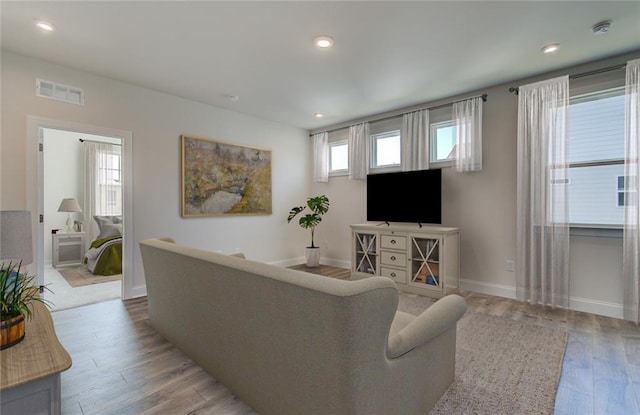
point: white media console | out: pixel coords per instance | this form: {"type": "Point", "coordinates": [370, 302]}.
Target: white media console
{"type": "Point", "coordinates": [423, 260]}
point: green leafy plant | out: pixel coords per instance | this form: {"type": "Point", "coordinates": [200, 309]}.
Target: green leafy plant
{"type": "Point", "coordinates": [318, 205]}
{"type": "Point", "coordinates": [17, 291]}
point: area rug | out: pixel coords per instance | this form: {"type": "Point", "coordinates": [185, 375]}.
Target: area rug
{"type": "Point", "coordinates": [504, 367]}
{"type": "Point", "coordinates": [78, 277]}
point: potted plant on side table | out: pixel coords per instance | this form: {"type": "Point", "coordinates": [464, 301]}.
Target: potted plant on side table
{"type": "Point", "coordinates": [318, 205]}
{"type": "Point", "coordinates": [17, 292]}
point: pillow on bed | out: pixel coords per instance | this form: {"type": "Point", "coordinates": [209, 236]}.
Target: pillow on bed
{"type": "Point", "coordinates": [110, 230]}
{"type": "Point", "coordinates": [109, 226]}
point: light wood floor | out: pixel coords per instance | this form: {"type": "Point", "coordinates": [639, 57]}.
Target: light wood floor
{"type": "Point", "coordinates": [121, 366]}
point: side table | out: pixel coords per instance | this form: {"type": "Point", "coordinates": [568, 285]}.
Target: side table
{"type": "Point", "coordinates": [30, 371]}
{"type": "Point", "coordinates": [68, 248]}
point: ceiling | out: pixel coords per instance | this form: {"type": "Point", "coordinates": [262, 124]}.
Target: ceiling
{"type": "Point", "coordinates": [387, 54]}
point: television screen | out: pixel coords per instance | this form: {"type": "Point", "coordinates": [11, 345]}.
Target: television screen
{"type": "Point", "coordinates": [412, 196]}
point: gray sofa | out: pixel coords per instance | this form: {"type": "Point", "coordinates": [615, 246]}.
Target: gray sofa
{"type": "Point", "coordinates": [292, 343]}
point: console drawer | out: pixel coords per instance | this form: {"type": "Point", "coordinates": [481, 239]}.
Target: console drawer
{"type": "Point", "coordinates": [398, 275]}
{"type": "Point", "coordinates": [396, 259]}
{"type": "Point", "coordinates": [393, 242]}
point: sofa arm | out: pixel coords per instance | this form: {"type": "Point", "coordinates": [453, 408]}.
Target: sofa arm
{"type": "Point", "coordinates": [434, 321]}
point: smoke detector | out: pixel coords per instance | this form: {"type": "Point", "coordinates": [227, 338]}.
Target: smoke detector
{"type": "Point", "coordinates": [601, 28]}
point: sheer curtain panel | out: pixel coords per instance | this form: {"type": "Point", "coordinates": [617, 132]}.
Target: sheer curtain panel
{"type": "Point", "coordinates": [321, 157]}
{"type": "Point", "coordinates": [542, 209]}
{"type": "Point", "coordinates": [631, 234]}
{"type": "Point", "coordinates": [414, 134]}
{"type": "Point", "coordinates": [467, 115]}
{"type": "Point", "coordinates": [358, 137]}
{"type": "Point", "coordinates": [103, 190]}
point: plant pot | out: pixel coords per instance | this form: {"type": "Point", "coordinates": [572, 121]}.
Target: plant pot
{"type": "Point", "coordinates": [12, 331]}
{"type": "Point", "coordinates": [313, 257]}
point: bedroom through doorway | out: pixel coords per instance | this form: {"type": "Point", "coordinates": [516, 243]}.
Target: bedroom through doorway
{"type": "Point", "coordinates": [82, 206]}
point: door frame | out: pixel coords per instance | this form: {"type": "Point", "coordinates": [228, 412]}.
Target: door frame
{"type": "Point", "coordinates": [35, 181]}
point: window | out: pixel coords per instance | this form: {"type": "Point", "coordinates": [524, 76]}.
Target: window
{"type": "Point", "coordinates": [596, 157]}
{"type": "Point", "coordinates": [110, 169]}
{"type": "Point", "coordinates": [112, 197]}
{"type": "Point", "coordinates": [338, 157]}
{"type": "Point", "coordinates": [443, 141]}
{"type": "Point", "coordinates": [109, 186]}
{"type": "Point", "coordinates": [385, 149]}
{"type": "Point", "coordinates": [627, 186]}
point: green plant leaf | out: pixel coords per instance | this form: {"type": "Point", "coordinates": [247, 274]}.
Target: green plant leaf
{"type": "Point", "coordinates": [17, 292]}
{"type": "Point", "coordinates": [319, 205]}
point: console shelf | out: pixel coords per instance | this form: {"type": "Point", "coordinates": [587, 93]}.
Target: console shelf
{"type": "Point", "coordinates": [423, 260]}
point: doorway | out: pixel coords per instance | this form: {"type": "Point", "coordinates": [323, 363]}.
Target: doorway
{"type": "Point", "coordinates": [68, 163]}
{"type": "Point", "coordinates": [60, 175]}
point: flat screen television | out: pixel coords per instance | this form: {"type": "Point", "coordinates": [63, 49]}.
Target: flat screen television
{"type": "Point", "coordinates": [412, 196]}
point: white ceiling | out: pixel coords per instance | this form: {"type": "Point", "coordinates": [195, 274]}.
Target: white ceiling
{"type": "Point", "coordinates": [387, 54]}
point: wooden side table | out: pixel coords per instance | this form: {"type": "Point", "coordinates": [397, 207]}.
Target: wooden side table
{"type": "Point", "coordinates": [30, 371]}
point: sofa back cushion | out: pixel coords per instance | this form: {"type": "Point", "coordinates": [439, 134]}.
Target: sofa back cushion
{"type": "Point", "coordinates": [266, 328]}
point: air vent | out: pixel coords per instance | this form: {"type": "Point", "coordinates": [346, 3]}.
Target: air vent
{"type": "Point", "coordinates": [59, 92]}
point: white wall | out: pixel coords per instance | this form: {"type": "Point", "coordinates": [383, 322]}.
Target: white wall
{"type": "Point", "coordinates": [483, 206]}
{"type": "Point", "coordinates": [63, 178]}
{"type": "Point", "coordinates": [156, 121]}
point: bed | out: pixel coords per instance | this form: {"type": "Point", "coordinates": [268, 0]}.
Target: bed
{"type": "Point", "coordinates": [104, 256]}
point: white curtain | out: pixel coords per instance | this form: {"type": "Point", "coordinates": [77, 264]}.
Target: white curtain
{"type": "Point", "coordinates": [414, 134]}
{"type": "Point", "coordinates": [102, 182]}
{"type": "Point", "coordinates": [631, 233]}
{"type": "Point", "coordinates": [321, 157]}
{"type": "Point", "coordinates": [358, 139]}
{"type": "Point", "coordinates": [542, 208]}
{"type": "Point", "coordinates": [467, 116]}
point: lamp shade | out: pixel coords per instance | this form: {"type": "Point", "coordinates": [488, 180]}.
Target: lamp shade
{"type": "Point", "coordinates": [15, 237]}
{"type": "Point", "coordinates": [69, 205]}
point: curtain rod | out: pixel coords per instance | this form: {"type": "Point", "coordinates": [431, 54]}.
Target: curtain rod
{"type": "Point", "coordinates": [373, 119]}
{"type": "Point", "coordinates": [516, 90]}
{"type": "Point", "coordinates": [82, 140]}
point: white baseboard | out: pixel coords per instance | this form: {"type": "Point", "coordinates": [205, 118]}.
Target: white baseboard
{"type": "Point", "coordinates": [335, 263]}
{"type": "Point", "coordinates": [585, 305]}
{"type": "Point", "coordinates": [498, 290]}
{"type": "Point", "coordinates": [137, 291]}
{"type": "Point", "coordinates": [602, 308]}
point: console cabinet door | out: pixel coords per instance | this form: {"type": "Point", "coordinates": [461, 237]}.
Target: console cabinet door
{"type": "Point", "coordinates": [426, 268]}
{"type": "Point", "coordinates": [365, 253]}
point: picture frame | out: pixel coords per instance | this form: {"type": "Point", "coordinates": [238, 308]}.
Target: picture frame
{"type": "Point", "coordinates": [220, 179]}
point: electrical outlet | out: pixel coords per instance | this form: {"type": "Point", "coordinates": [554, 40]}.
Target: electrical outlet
{"type": "Point", "coordinates": [326, 244]}
{"type": "Point", "coordinates": [510, 266]}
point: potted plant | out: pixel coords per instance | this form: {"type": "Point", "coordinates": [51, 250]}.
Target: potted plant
{"type": "Point", "coordinates": [17, 292]}
{"type": "Point", "coordinates": [318, 205]}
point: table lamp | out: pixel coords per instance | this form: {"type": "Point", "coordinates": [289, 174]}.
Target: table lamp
{"type": "Point", "coordinates": [69, 205]}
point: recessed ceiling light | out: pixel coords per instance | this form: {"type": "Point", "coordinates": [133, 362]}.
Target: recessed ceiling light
{"type": "Point", "coordinates": [601, 28]}
{"type": "Point", "coordinates": [318, 115]}
{"type": "Point", "coordinates": [552, 48]}
{"type": "Point", "coordinates": [323, 41]}
{"type": "Point", "coordinates": [45, 26]}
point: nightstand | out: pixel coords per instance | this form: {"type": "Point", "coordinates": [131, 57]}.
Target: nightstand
{"type": "Point", "coordinates": [68, 248]}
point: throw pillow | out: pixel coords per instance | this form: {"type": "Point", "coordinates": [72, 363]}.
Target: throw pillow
{"type": "Point", "coordinates": [108, 230]}
{"type": "Point", "coordinates": [108, 226]}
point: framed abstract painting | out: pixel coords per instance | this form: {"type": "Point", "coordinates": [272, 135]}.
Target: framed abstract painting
{"type": "Point", "coordinates": [224, 179]}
